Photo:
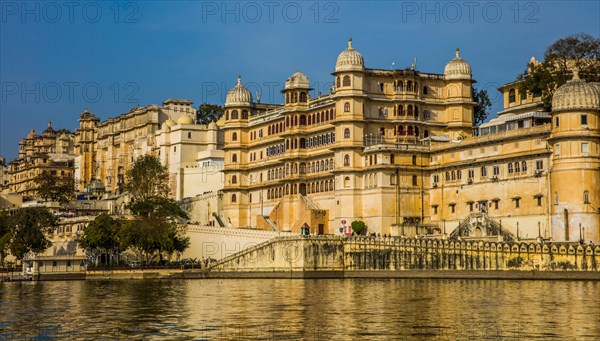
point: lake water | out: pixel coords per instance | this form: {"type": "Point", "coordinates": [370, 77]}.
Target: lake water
{"type": "Point", "coordinates": [279, 309]}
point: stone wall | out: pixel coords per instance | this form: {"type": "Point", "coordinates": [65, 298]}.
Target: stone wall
{"type": "Point", "coordinates": [364, 253]}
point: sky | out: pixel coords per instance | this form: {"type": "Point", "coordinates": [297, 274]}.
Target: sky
{"type": "Point", "coordinates": [59, 57]}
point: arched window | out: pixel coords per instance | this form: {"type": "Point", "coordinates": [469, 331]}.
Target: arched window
{"type": "Point", "coordinates": [517, 167]}
{"type": "Point", "coordinates": [401, 130]}
{"type": "Point", "coordinates": [287, 121]}
{"type": "Point", "coordinates": [524, 166]}
{"type": "Point", "coordinates": [347, 181]}
{"type": "Point", "coordinates": [269, 130]}
{"type": "Point", "coordinates": [287, 98]}
{"type": "Point", "coordinates": [303, 97]}
{"type": "Point", "coordinates": [234, 158]}
{"type": "Point", "coordinates": [410, 110]}
{"type": "Point", "coordinates": [346, 80]}
{"type": "Point", "coordinates": [233, 198]}
{"type": "Point", "coordinates": [400, 86]}
{"type": "Point", "coordinates": [447, 176]}
{"type": "Point", "coordinates": [346, 107]}
{"type": "Point", "coordinates": [414, 180]}
{"type": "Point", "coordinates": [347, 133]}
{"type": "Point", "coordinates": [234, 114]}
{"type": "Point", "coordinates": [417, 131]}
{"type": "Point", "coordinates": [227, 115]}
{"type": "Point", "coordinates": [346, 160]}
{"type": "Point", "coordinates": [400, 110]}
{"type": "Point", "coordinates": [410, 130]}
{"type": "Point", "coordinates": [416, 112]}
{"type": "Point", "coordinates": [409, 86]}
{"type": "Point", "coordinates": [414, 160]}
{"type": "Point", "coordinates": [302, 120]}
{"type": "Point", "coordinates": [511, 95]}
{"type": "Point", "coordinates": [234, 136]}
{"type": "Point", "coordinates": [510, 168]}
{"type": "Point", "coordinates": [586, 197]}
{"type": "Point", "coordinates": [244, 114]}
{"type": "Point", "coordinates": [322, 116]}
{"type": "Point", "coordinates": [309, 120]}
{"type": "Point", "coordinates": [234, 179]}
{"type": "Point", "coordinates": [338, 83]}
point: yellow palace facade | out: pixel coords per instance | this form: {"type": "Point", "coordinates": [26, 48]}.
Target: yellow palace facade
{"type": "Point", "coordinates": [397, 149]}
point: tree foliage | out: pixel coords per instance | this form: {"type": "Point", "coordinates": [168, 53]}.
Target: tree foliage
{"type": "Point", "coordinates": [28, 230]}
{"type": "Point", "coordinates": [101, 235]}
{"type": "Point", "coordinates": [207, 113]}
{"type": "Point", "coordinates": [580, 51]}
{"type": "Point", "coordinates": [359, 227]}
{"type": "Point", "coordinates": [147, 178]}
{"type": "Point", "coordinates": [481, 110]}
{"type": "Point", "coordinates": [5, 236]}
{"type": "Point", "coordinates": [154, 229]}
{"type": "Point", "coordinates": [55, 188]}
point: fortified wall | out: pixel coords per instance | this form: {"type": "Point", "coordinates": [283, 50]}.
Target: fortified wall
{"type": "Point", "coordinates": [352, 254]}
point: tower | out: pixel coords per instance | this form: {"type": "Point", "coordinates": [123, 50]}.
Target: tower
{"type": "Point", "coordinates": [574, 175]}
{"type": "Point", "coordinates": [458, 93]}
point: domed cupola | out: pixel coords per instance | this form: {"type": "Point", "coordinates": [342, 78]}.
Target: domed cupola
{"type": "Point", "coordinates": [297, 81]}
{"type": "Point", "coordinates": [238, 95]}
{"type": "Point", "coordinates": [85, 115]}
{"type": "Point", "coordinates": [32, 135]}
{"type": "Point", "coordinates": [457, 68]}
{"type": "Point", "coordinates": [350, 60]}
{"type": "Point", "coordinates": [185, 119]}
{"type": "Point", "coordinates": [49, 132]}
{"type": "Point", "coordinates": [576, 94]}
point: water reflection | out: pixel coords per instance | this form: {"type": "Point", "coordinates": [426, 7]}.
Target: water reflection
{"type": "Point", "coordinates": [302, 309]}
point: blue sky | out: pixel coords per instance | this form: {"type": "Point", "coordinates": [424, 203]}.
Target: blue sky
{"type": "Point", "coordinates": [57, 58]}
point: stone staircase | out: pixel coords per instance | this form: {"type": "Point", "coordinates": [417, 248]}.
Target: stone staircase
{"type": "Point", "coordinates": [480, 226]}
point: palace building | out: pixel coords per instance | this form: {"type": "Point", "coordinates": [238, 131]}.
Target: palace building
{"type": "Point", "coordinates": [397, 149]}
{"type": "Point", "coordinates": [52, 153]}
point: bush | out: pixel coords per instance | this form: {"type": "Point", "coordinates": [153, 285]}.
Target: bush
{"type": "Point", "coordinates": [359, 227]}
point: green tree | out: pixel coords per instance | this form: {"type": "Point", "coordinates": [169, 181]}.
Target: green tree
{"type": "Point", "coordinates": [581, 51]}
{"type": "Point", "coordinates": [101, 236]}
{"type": "Point", "coordinates": [359, 227]}
{"type": "Point", "coordinates": [481, 110]}
{"type": "Point", "coordinates": [5, 236]}
{"type": "Point", "coordinates": [29, 228]}
{"type": "Point", "coordinates": [55, 188]}
{"type": "Point", "coordinates": [147, 178]}
{"type": "Point", "coordinates": [155, 228]}
{"type": "Point", "coordinates": [207, 113]}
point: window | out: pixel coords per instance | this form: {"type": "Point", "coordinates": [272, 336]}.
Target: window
{"type": "Point", "coordinates": [556, 122]}
{"type": "Point", "coordinates": [517, 167]}
{"type": "Point", "coordinates": [189, 135]}
{"type": "Point", "coordinates": [347, 182]}
{"type": "Point", "coordinates": [484, 171]}
{"type": "Point", "coordinates": [233, 198]}
{"type": "Point", "coordinates": [510, 168]}
{"type": "Point", "coordinates": [346, 107]}
{"type": "Point", "coordinates": [234, 137]}
{"type": "Point", "coordinates": [517, 202]}
{"type": "Point", "coordinates": [338, 83]}
{"type": "Point", "coordinates": [244, 114]}
{"type": "Point", "coordinates": [584, 120]}
{"type": "Point", "coordinates": [234, 179]}
{"type": "Point", "coordinates": [496, 170]}
{"type": "Point", "coordinates": [557, 149]}
{"type": "Point", "coordinates": [511, 96]}
{"type": "Point", "coordinates": [227, 115]}
{"type": "Point", "coordinates": [346, 81]}
{"type": "Point", "coordinates": [425, 90]}
{"type": "Point", "coordinates": [392, 159]}
{"type": "Point", "coordinates": [470, 206]}
{"type": "Point", "coordinates": [347, 133]}
{"type": "Point", "coordinates": [586, 197]}
{"type": "Point", "coordinates": [452, 208]}
{"type": "Point", "coordinates": [539, 165]}
{"type": "Point", "coordinates": [539, 200]}
{"type": "Point", "coordinates": [414, 160]}
{"type": "Point", "coordinates": [234, 115]}
{"type": "Point", "coordinates": [381, 87]}
{"type": "Point", "coordinates": [414, 180]}
{"type": "Point", "coordinates": [584, 148]}
{"type": "Point", "coordinates": [496, 204]}
{"type": "Point", "coordinates": [435, 207]}
{"type": "Point", "coordinates": [303, 97]}
{"type": "Point", "coordinates": [234, 158]}
{"type": "Point", "coordinates": [524, 166]}
{"type": "Point", "coordinates": [346, 160]}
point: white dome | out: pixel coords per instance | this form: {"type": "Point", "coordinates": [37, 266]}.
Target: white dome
{"type": "Point", "coordinates": [297, 80]}
{"type": "Point", "coordinates": [350, 60]}
{"type": "Point", "coordinates": [185, 119]}
{"type": "Point", "coordinates": [238, 95]}
{"type": "Point", "coordinates": [457, 68]}
{"type": "Point", "coordinates": [576, 94]}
